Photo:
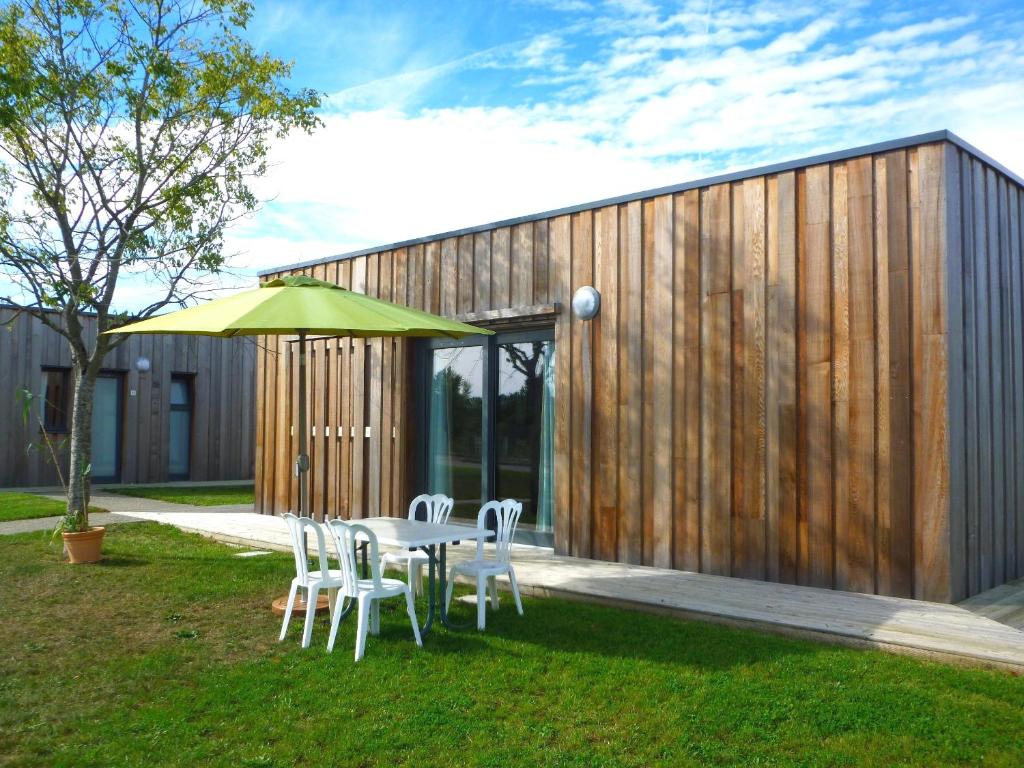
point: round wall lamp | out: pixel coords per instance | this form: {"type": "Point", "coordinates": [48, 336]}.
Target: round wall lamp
{"type": "Point", "coordinates": [586, 302]}
{"type": "Point", "coordinates": [142, 364]}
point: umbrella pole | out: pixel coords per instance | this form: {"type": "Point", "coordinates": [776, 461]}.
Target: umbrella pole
{"type": "Point", "coordinates": [302, 460]}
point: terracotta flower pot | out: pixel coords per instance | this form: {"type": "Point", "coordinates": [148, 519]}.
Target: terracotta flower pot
{"type": "Point", "coordinates": [84, 546]}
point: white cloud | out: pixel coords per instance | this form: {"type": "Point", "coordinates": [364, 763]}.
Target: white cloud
{"type": "Point", "coordinates": [634, 98]}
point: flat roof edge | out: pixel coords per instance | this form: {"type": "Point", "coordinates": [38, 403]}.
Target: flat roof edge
{"type": "Point", "coordinates": [764, 170]}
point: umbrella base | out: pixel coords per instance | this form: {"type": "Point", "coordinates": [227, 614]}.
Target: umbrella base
{"type": "Point", "coordinates": [299, 609]}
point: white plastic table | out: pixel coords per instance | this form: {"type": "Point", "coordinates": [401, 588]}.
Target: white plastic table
{"type": "Point", "coordinates": [433, 539]}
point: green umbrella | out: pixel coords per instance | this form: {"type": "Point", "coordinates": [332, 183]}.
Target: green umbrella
{"type": "Point", "coordinates": [299, 305]}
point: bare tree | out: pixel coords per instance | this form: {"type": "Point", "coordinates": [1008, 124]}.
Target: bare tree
{"type": "Point", "coordinates": [129, 133]}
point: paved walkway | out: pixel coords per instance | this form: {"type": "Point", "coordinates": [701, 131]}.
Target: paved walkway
{"type": "Point", "coordinates": [49, 523]}
{"type": "Point", "coordinates": [123, 509]}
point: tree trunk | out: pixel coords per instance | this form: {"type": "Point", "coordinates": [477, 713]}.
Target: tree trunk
{"type": "Point", "coordinates": [81, 444]}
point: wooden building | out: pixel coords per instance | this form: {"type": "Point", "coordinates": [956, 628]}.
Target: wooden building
{"type": "Point", "coordinates": [810, 373]}
{"type": "Point", "coordinates": [165, 408]}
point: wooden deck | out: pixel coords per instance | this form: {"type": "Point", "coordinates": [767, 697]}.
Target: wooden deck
{"type": "Point", "coordinates": [1004, 604]}
{"type": "Point", "coordinates": [985, 630]}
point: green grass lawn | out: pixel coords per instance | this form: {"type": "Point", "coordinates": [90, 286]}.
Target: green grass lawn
{"type": "Point", "coordinates": [166, 654]}
{"type": "Point", "coordinates": [25, 506]}
{"type": "Point", "coordinates": [198, 495]}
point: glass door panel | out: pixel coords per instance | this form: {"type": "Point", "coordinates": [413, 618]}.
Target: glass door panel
{"type": "Point", "coordinates": [179, 459]}
{"type": "Point", "coordinates": [455, 429]}
{"type": "Point", "coordinates": [106, 429]}
{"type": "Point", "coordinates": [524, 429]}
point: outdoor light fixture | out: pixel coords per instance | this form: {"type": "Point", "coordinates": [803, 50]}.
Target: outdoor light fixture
{"type": "Point", "coordinates": [586, 302]}
{"type": "Point", "coordinates": [142, 364]}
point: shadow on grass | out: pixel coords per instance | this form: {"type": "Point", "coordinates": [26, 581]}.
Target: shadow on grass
{"type": "Point", "coordinates": [569, 627]}
{"type": "Point", "coordinates": [123, 561]}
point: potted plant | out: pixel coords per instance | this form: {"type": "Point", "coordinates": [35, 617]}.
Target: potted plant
{"type": "Point", "coordinates": [83, 543]}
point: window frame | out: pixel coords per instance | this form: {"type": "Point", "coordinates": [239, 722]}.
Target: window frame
{"type": "Point", "coordinates": [47, 427]}
{"type": "Point", "coordinates": [188, 379]}
{"type": "Point", "coordinates": [423, 371]}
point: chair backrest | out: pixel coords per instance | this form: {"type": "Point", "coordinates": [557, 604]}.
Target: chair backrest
{"type": "Point", "coordinates": [297, 527]}
{"type": "Point", "coordinates": [438, 507]}
{"type": "Point", "coordinates": [346, 537]}
{"type": "Point", "coordinates": [506, 517]}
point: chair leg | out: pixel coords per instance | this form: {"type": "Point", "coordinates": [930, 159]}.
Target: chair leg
{"type": "Point", "coordinates": [335, 621]}
{"type": "Point", "coordinates": [418, 573]}
{"type": "Point", "coordinates": [411, 608]}
{"type": "Point", "coordinates": [307, 632]}
{"type": "Point", "coordinates": [288, 610]}
{"type": "Point", "coordinates": [364, 621]}
{"type": "Point", "coordinates": [412, 572]}
{"type": "Point", "coordinates": [481, 602]}
{"type": "Point", "coordinates": [492, 583]}
{"type": "Point", "coordinates": [375, 617]}
{"type": "Point", "coordinates": [450, 590]}
{"type": "Point", "coordinates": [515, 589]}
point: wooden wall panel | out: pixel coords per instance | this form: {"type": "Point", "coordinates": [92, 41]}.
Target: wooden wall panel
{"type": "Point", "coordinates": [581, 463]}
{"type": "Point", "coordinates": [606, 385]}
{"type": "Point", "coordinates": [983, 354]}
{"type": "Point", "coordinates": [630, 528]}
{"type": "Point", "coordinates": [224, 412]}
{"type": "Point", "coordinates": [814, 376]}
{"type": "Point", "coordinates": [686, 383]}
{"type": "Point", "coordinates": [716, 382]}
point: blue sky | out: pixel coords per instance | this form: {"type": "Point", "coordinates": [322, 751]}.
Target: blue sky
{"type": "Point", "coordinates": [440, 115]}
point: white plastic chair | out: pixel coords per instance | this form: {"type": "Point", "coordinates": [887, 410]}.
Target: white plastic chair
{"type": "Point", "coordinates": [485, 570]}
{"type": "Point", "coordinates": [438, 507]}
{"type": "Point", "coordinates": [368, 592]}
{"type": "Point", "coordinates": [311, 581]}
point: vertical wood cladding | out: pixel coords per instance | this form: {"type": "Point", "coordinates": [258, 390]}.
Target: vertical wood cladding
{"type": "Point", "coordinates": [225, 381]}
{"type": "Point", "coordinates": [986, 383]}
{"type": "Point", "coordinates": [766, 392]}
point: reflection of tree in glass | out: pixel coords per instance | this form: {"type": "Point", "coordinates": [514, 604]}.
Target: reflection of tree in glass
{"type": "Point", "coordinates": [519, 418]}
{"type": "Point", "coordinates": [464, 415]}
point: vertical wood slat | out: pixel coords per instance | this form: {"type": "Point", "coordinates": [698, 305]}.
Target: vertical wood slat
{"type": "Point", "coordinates": [951, 257]}
{"type": "Point", "coordinates": [716, 391]}
{"type": "Point", "coordinates": [400, 397]}
{"type": "Point", "coordinates": [931, 451]}
{"type": "Point", "coordinates": [345, 417]}
{"type": "Point", "coordinates": [661, 365]}
{"type": "Point", "coordinates": [482, 271]}
{"type": "Point", "coordinates": [686, 382]}
{"type": "Point", "coordinates": [358, 395]}
{"type": "Point", "coordinates": [781, 395]}
{"type": "Point", "coordinates": [374, 393]}
{"type": "Point", "coordinates": [606, 412]}
{"type": "Point", "coordinates": [814, 337]}
{"type": "Point", "coordinates": [749, 524]}
{"type": "Point", "coordinates": [855, 567]}
{"type": "Point", "coordinates": [561, 284]}
{"type": "Point", "coordinates": [630, 528]}
{"type": "Point", "coordinates": [583, 390]}
{"type": "Point", "coordinates": [649, 331]}
{"type": "Point", "coordinates": [521, 287]}
{"type": "Point", "coordinates": [901, 500]}
{"type": "Point", "coordinates": [1016, 253]}
{"type": "Point", "coordinates": [387, 387]}
{"type": "Point", "coordinates": [1008, 513]}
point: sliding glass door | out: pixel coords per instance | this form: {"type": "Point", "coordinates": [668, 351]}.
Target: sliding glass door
{"type": "Point", "coordinates": [455, 427]}
{"type": "Point", "coordinates": [524, 428]}
{"type": "Point", "coordinates": [487, 405]}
